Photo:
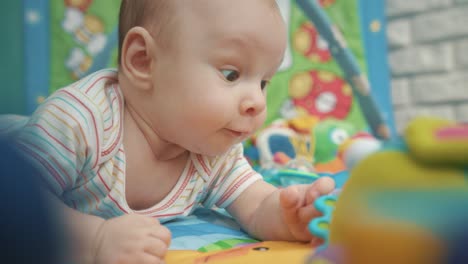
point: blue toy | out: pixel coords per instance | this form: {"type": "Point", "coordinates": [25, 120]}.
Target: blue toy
{"type": "Point", "coordinates": [287, 177]}
{"type": "Point", "coordinates": [320, 225]}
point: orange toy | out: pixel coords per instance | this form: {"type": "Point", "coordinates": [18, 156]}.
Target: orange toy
{"type": "Point", "coordinates": [403, 203]}
{"type": "Point", "coordinates": [263, 252]}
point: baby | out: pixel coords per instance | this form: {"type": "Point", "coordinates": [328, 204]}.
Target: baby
{"type": "Point", "coordinates": [126, 150]}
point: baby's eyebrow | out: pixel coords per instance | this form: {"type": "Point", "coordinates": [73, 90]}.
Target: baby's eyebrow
{"type": "Point", "coordinates": [237, 41]}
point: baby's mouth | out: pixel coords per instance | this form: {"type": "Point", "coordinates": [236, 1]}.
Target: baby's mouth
{"type": "Point", "coordinates": [236, 133]}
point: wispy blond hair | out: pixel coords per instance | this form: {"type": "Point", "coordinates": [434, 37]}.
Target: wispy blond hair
{"type": "Point", "coordinates": [153, 15]}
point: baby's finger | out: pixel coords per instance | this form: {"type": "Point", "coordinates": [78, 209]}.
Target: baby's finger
{"type": "Point", "coordinates": [144, 220]}
{"type": "Point", "coordinates": [320, 187]}
{"type": "Point", "coordinates": [156, 247]}
{"type": "Point", "coordinates": [324, 185]}
{"type": "Point", "coordinates": [307, 213]}
{"type": "Point", "coordinates": [289, 198]}
{"type": "Point", "coordinates": [162, 233]}
{"type": "Point", "coordinates": [310, 195]}
{"type": "Point", "coordinates": [316, 241]}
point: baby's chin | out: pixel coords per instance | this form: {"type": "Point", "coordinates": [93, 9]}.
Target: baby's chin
{"type": "Point", "coordinates": [212, 151]}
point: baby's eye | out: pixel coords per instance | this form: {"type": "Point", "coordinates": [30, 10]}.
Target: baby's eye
{"type": "Point", "coordinates": [230, 75]}
{"type": "Point", "coordinates": [263, 84]}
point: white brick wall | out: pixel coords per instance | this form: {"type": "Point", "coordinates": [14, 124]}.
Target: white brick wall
{"type": "Point", "coordinates": [401, 92]}
{"type": "Point", "coordinates": [428, 41]}
{"type": "Point", "coordinates": [405, 7]}
{"type": "Point", "coordinates": [461, 54]}
{"type": "Point", "coordinates": [462, 112]}
{"type": "Point", "coordinates": [399, 32]}
{"type": "Point", "coordinates": [421, 59]}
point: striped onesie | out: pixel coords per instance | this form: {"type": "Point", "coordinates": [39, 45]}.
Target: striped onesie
{"type": "Point", "coordinates": [75, 139]}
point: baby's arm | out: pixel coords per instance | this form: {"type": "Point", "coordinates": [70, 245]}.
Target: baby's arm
{"type": "Point", "coordinates": [81, 229]}
{"type": "Point", "coordinates": [61, 140]}
{"type": "Point", "coordinates": [269, 213]}
{"type": "Point", "coordinates": [257, 202]}
{"type": "Point", "coordinates": [125, 239]}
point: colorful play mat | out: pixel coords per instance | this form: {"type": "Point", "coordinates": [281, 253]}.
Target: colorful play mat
{"type": "Point", "coordinates": [332, 87]}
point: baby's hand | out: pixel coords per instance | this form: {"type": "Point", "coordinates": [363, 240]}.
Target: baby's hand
{"type": "Point", "coordinates": [131, 239]}
{"type": "Point", "coordinates": [298, 210]}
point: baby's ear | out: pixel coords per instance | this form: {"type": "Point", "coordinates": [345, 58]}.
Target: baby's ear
{"type": "Point", "coordinates": [137, 56]}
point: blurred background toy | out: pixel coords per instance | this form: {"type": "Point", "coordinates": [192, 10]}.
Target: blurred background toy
{"type": "Point", "coordinates": [457, 252]}
{"type": "Point", "coordinates": [357, 81]}
{"type": "Point", "coordinates": [357, 147]}
{"type": "Point", "coordinates": [438, 141]}
{"type": "Point", "coordinates": [407, 202]}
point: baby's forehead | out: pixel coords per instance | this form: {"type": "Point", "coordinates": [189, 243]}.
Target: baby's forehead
{"type": "Point", "coordinates": [239, 23]}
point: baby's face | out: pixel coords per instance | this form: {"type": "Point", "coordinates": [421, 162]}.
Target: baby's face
{"type": "Point", "coordinates": [210, 83]}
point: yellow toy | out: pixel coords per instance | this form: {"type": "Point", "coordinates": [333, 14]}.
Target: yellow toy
{"type": "Point", "coordinates": [438, 141]}
{"type": "Point", "coordinates": [404, 203]}
{"type": "Point", "coordinates": [263, 252]}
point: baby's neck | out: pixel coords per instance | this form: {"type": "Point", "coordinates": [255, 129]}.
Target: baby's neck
{"type": "Point", "coordinates": [162, 150]}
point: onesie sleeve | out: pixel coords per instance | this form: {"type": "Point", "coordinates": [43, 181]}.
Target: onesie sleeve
{"type": "Point", "coordinates": [61, 140]}
{"type": "Point", "coordinates": [233, 177]}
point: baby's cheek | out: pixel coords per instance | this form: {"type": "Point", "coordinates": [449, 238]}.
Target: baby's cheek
{"type": "Point", "coordinates": [261, 119]}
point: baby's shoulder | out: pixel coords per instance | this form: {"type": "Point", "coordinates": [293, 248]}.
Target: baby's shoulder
{"type": "Point", "coordinates": [96, 83]}
{"type": "Point", "coordinates": [102, 83]}
{"type": "Point", "coordinates": [93, 95]}
{"type": "Point", "coordinates": [91, 107]}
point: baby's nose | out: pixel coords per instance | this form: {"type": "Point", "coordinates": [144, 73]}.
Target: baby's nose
{"type": "Point", "coordinates": [253, 104]}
